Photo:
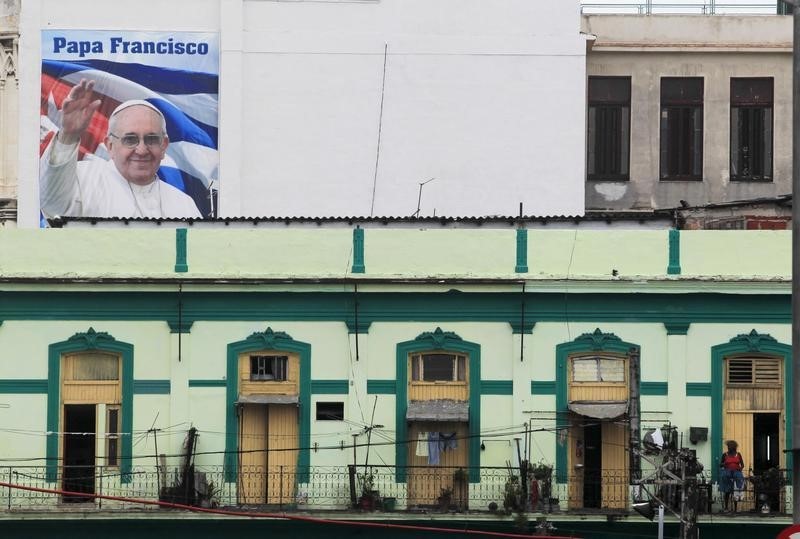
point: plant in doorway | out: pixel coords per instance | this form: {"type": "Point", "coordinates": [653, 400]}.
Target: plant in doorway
{"type": "Point", "coordinates": [768, 486]}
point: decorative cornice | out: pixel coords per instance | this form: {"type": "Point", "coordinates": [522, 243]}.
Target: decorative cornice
{"type": "Point", "coordinates": [677, 328]}
{"type": "Point", "coordinates": [185, 326]}
{"type": "Point", "coordinates": [598, 340]}
{"type": "Point", "coordinates": [361, 328]}
{"type": "Point", "coordinates": [517, 327]}
{"type": "Point", "coordinates": [92, 340]}
{"type": "Point", "coordinates": [271, 340]}
{"type": "Point", "coordinates": [754, 340]}
{"type": "Point", "coordinates": [438, 338]}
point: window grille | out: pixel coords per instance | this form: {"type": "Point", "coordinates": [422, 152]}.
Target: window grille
{"type": "Point", "coordinates": [754, 371]}
{"type": "Point", "coordinates": [681, 144]}
{"type": "Point", "coordinates": [268, 368]}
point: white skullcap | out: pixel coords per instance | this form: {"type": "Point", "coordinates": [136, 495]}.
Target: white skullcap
{"type": "Point", "coordinates": [134, 102]}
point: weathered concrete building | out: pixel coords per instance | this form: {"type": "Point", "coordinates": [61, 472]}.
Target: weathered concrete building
{"type": "Point", "coordinates": [689, 110]}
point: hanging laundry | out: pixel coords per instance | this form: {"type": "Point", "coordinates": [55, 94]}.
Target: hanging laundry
{"type": "Point", "coordinates": [433, 448]}
{"type": "Point", "coordinates": [447, 441]}
{"type": "Point", "coordinates": [422, 444]}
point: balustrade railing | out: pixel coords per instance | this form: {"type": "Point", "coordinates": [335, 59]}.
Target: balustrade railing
{"type": "Point", "coordinates": [339, 488]}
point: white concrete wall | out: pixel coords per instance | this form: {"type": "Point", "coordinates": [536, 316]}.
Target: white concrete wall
{"type": "Point", "coordinates": [486, 97]}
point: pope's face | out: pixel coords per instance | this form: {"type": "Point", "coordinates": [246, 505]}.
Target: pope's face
{"type": "Point", "coordinates": [137, 164]}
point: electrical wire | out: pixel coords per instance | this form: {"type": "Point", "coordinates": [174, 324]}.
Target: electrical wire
{"type": "Point", "coordinates": [280, 516]}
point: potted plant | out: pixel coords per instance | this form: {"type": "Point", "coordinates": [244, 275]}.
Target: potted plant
{"type": "Point", "coordinates": [512, 495]}
{"type": "Point", "coordinates": [370, 497]}
{"type": "Point", "coordinates": [542, 471]}
{"type": "Point", "coordinates": [768, 486]}
{"type": "Point", "coordinates": [445, 499]}
{"type": "Point", "coordinates": [208, 498]}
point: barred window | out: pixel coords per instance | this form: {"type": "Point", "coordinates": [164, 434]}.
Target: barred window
{"type": "Point", "coordinates": [609, 128]}
{"type": "Point", "coordinates": [264, 368]}
{"type": "Point", "coordinates": [751, 129]}
{"type": "Point", "coordinates": [681, 145]}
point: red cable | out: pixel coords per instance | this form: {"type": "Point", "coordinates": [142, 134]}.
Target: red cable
{"type": "Point", "coordinates": [283, 516]}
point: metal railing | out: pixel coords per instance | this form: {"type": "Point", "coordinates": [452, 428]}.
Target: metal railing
{"type": "Point", "coordinates": [425, 489]}
{"type": "Point", "coordinates": [710, 7]}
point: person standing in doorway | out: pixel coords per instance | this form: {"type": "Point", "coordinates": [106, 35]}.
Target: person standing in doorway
{"type": "Point", "coordinates": [731, 479]}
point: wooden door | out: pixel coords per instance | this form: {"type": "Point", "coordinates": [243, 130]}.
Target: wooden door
{"type": "Point", "coordinates": [426, 481]}
{"type": "Point", "coordinates": [615, 473]}
{"type": "Point", "coordinates": [282, 442]}
{"type": "Point", "coordinates": [253, 457]}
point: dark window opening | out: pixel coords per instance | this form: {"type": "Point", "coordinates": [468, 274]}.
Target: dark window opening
{"type": "Point", "coordinates": [330, 411]}
{"type": "Point", "coordinates": [592, 466]}
{"type": "Point", "coordinates": [438, 368]}
{"type": "Point", "coordinates": [681, 128]}
{"type": "Point", "coordinates": [268, 368]}
{"type": "Point", "coordinates": [751, 129]}
{"type": "Point", "coordinates": [609, 124]}
{"type": "Point", "coordinates": [112, 437]}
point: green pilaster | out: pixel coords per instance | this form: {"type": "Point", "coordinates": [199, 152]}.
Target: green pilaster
{"type": "Point", "coordinates": [522, 251]}
{"type": "Point", "coordinates": [674, 267]}
{"type": "Point", "coordinates": [358, 250]}
{"type": "Point", "coordinates": [180, 251]}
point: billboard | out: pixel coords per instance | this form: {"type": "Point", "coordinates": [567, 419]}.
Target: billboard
{"type": "Point", "coordinates": [128, 124]}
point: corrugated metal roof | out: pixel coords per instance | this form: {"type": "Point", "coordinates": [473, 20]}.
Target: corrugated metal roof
{"type": "Point", "coordinates": [590, 216]}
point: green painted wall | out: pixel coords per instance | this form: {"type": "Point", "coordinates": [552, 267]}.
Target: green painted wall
{"type": "Point", "coordinates": [184, 379]}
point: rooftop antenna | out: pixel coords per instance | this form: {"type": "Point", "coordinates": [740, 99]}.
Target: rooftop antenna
{"type": "Point", "coordinates": [419, 197]}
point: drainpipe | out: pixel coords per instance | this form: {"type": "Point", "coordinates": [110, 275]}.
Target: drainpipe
{"type": "Point", "coordinates": [634, 416]}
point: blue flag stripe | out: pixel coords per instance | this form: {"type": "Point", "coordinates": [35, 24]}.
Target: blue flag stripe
{"type": "Point", "coordinates": [158, 79]}
{"type": "Point", "coordinates": [181, 128]}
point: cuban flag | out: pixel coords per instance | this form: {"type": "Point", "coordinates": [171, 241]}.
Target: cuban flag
{"type": "Point", "coordinates": [184, 87]}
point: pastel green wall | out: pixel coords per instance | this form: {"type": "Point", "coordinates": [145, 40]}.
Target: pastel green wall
{"type": "Point", "coordinates": [268, 252]}
{"type": "Point", "coordinates": [35, 314]}
{"type": "Point", "coordinates": [730, 252]}
{"type": "Point", "coordinates": [597, 252]}
{"type": "Point", "coordinates": [440, 252]}
{"type": "Point", "coordinates": [473, 253]}
{"type": "Point", "coordinates": [60, 252]}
